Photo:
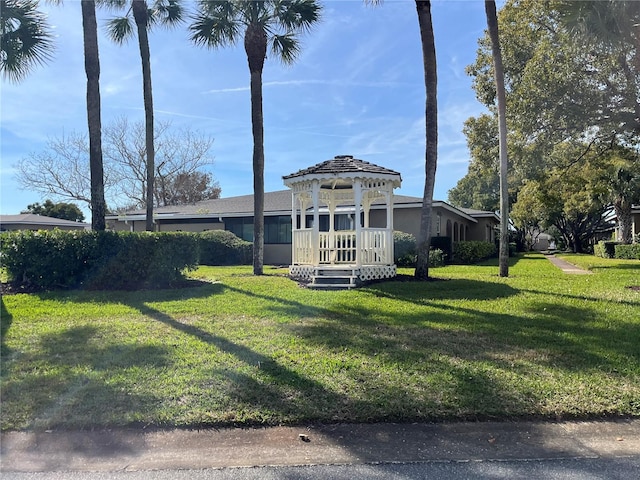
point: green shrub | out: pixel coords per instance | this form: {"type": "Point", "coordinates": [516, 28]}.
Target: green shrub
{"type": "Point", "coordinates": [470, 252]}
{"type": "Point", "coordinates": [628, 252]}
{"type": "Point", "coordinates": [221, 247]}
{"type": "Point", "coordinates": [404, 249]}
{"type": "Point", "coordinates": [436, 258]}
{"type": "Point", "coordinates": [50, 259]}
{"type": "Point", "coordinates": [605, 249]}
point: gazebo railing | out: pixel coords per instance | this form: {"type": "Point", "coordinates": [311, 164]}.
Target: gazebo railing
{"type": "Point", "coordinates": [377, 246]}
{"type": "Point", "coordinates": [303, 247]}
{"type": "Point", "coordinates": [339, 247]}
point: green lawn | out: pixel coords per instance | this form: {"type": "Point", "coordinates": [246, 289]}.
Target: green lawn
{"type": "Point", "coordinates": [248, 350]}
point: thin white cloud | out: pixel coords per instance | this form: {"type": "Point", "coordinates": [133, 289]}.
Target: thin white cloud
{"type": "Point", "coordinates": [295, 83]}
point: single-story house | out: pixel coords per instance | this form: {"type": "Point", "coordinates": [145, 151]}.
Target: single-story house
{"type": "Point", "coordinates": [236, 215]}
{"type": "Point", "coordinates": [30, 221]}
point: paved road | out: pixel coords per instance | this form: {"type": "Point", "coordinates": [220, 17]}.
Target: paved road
{"type": "Point", "coordinates": [547, 469]}
{"type": "Point", "coordinates": [492, 450]}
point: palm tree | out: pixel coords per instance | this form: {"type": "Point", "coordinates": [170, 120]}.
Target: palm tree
{"type": "Point", "coordinates": [92, 69]}
{"type": "Point", "coordinates": [276, 22]}
{"type": "Point", "coordinates": [167, 12]}
{"type": "Point", "coordinates": [431, 151]}
{"type": "Point", "coordinates": [492, 23]}
{"type": "Point", "coordinates": [26, 39]}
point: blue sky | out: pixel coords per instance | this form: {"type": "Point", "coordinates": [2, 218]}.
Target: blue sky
{"type": "Point", "coordinates": [356, 89]}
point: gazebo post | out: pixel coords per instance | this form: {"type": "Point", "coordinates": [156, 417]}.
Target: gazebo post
{"type": "Point", "coordinates": [315, 195]}
{"type": "Point", "coordinates": [294, 215]}
{"type": "Point", "coordinates": [357, 197]}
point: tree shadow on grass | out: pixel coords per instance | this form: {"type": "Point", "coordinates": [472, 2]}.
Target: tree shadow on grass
{"type": "Point", "coordinates": [413, 356]}
{"type": "Point", "coordinates": [59, 385]}
{"type": "Point", "coordinates": [273, 387]}
{"type": "Point", "coordinates": [5, 323]}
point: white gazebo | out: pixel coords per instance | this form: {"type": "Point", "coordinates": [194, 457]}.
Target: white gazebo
{"type": "Point", "coordinates": [342, 222]}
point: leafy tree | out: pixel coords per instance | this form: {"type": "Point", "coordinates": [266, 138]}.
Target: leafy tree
{"type": "Point", "coordinates": [62, 169]}
{"type": "Point", "coordinates": [167, 12]}
{"type": "Point", "coordinates": [92, 70]}
{"type": "Point", "coordinates": [26, 39]}
{"type": "Point", "coordinates": [577, 90]}
{"type": "Point", "coordinates": [570, 197]}
{"type": "Point", "coordinates": [528, 215]}
{"type": "Point", "coordinates": [427, 40]}
{"type": "Point", "coordinates": [186, 188]}
{"type": "Point", "coordinates": [259, 22]}
{"type": "Point", "coordinates": [492, 22]}
{"type": "Point", "coordinates": [480, 187]}
{"type": "Point", "coordinates": [65, 211]}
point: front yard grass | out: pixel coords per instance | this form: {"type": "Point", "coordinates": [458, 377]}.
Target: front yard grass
{"type": "Point", "coordinates": [242, 350]}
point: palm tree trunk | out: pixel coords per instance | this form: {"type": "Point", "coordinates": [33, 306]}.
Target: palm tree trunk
{"type": "Point", "coordinates": [431, 120]}
{"type": "Point", "coordinates": [255, 44]}
{"type": "Point", "coordinates": [140, 14]}
{"type": "Point", "coordinates": [92, 69]}
{"type": "Point", "coordinates": [492, 23]}
{"type": "Point", "coordinates": [623, 209]}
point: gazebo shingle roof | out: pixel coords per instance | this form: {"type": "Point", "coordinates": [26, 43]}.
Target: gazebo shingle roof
{"type": "Point", "coordinates": [342, 164]}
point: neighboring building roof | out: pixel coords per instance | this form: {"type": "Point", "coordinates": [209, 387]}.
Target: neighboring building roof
{"type": "Point", "coordinates": [343, 166]}
{"type": "Point", "coordinates": [275, 203]}
{"type": "Point", "coordinates": [31, 219]}
{"type": "Point", "coordinates": [479, 213]}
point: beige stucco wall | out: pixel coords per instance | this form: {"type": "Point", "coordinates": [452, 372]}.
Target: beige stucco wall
{"type": "Point", "coordinates": [408, 220]}
{"type": "Point", "coordinates": [483, 231]}
{"type": "Point", "coordinates": [277, 254]}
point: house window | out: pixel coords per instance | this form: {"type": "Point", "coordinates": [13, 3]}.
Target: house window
{"type": "Point", "coordinates": [240, 227]}
{"type": "Point", "coordinates": [438, 223]}
{"type": "Point", "coordinates": [276, 229]}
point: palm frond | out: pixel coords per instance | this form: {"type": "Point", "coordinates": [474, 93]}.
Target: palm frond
{"type": "Point", "coordinates": [113, 5]}
{"type": "Point", "coordinates": [299, 15]}
{"type": "Point", "coordinates": [120, 29]}
{"type": "Point", "coordinates": [215, 25]}
{"type": "Point", "coordinates": [285, 47]}
{"type": "Point", "coordinates": [25, 39]}
{"type": "Point", "coordinates": [167, 12]}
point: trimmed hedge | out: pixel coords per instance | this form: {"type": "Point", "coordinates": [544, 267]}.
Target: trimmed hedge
{"type": "Point", "coordinates": [469, 252]}
{"type": "Point", "coordinates": [221, 247]}
{"type": "Point", "coordinates": [628, 252]}
{"type": "Point", "coordinates": [50, 259]}
{"type": "Point", "coordinates": [605, 249]}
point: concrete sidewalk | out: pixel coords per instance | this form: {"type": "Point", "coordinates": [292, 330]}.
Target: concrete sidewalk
{"type": "Point", "coordinates": [133, 450]}
{"type": "Point", "coordinates": [567, 267]}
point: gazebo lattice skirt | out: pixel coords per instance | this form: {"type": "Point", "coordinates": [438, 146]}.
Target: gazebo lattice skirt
{"type": "Point", "coordinates": [364, 273]}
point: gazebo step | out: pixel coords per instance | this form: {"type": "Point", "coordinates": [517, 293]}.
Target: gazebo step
{"type": "Point", "coordinates": [343, 272]}
{"type": "Point", "coordinates": [334, 281]}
